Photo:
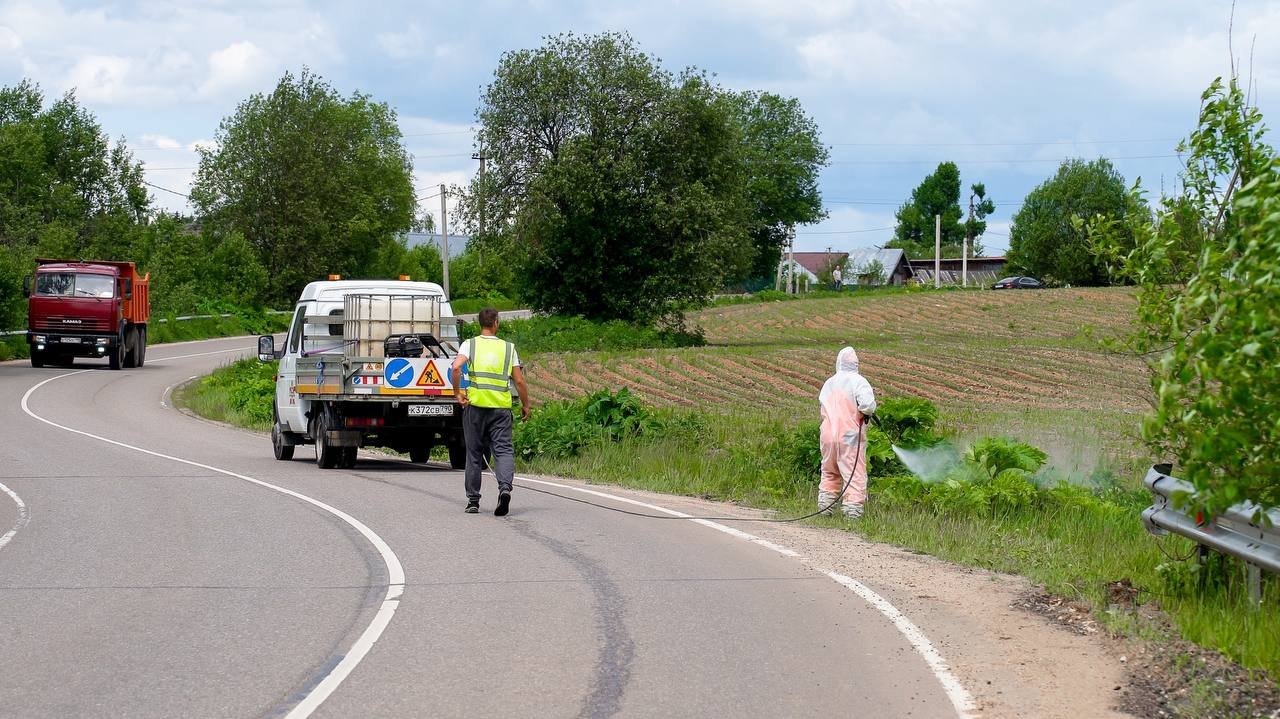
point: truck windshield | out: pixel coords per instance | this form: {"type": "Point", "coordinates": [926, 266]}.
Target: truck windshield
{"type": "Point", "coordinates": [67, 284]}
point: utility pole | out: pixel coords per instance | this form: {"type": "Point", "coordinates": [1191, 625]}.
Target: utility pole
{"type": "Point", "coordinates": [968, 240]}
{"type": "Point", "coordinates": [444, 237]}
{"type": "Point", "coordinates": [937, 251]}
{"type": "Point", "coordinates": [791, 261]}
{"type": "Point", "coordinates": [481, 156]}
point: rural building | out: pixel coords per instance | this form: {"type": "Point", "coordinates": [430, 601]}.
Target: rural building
{"type": "Point", "coordinates": [982, 270]}
{"type": "Point", "coordinates": [890, 267]}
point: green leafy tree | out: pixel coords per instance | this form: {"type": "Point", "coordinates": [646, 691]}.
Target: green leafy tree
{"type": "Point", "coordinates": [1046, 242]}
{"type": "Point", "coordinates": [65, 191]}
{"type": "Point", "coordinates": [1208, 275]}
{"type": "Point", "coordinates": [939, 194]}
{"type": "Point", "coordinates": [783, 155]}
{"type": "Point", "coordinates": [316, 182]}
{"type": "Point", "coordinates": [620, 190]}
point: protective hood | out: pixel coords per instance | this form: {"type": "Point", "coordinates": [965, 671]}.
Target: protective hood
{"type": "Point", "coordinates": [847, 360]}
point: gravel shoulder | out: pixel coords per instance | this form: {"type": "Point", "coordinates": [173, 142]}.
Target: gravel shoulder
{"type": "Point", "coordinates": [993, 634]}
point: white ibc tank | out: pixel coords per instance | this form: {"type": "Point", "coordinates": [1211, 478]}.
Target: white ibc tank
{"type": "Point", "coordinates": [368, 320]}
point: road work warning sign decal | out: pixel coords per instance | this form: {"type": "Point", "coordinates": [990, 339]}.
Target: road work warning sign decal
{"type": "Point", "coordinates": [430, 376]}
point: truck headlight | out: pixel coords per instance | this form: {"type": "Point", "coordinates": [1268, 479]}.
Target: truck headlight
{"type": "Point", "coordinates": [103, 340]}
{"type": "Point", "coordinates": [39, 338]}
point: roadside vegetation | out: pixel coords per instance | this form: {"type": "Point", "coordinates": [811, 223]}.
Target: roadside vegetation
{"type": "Point", "coordinates": [1033, 428]}
{"type": "Point", "coordinates": [577, 334]}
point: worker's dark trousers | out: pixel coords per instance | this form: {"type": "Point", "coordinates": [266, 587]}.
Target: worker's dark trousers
{"type": "Point", "coordinates": [488, 431]}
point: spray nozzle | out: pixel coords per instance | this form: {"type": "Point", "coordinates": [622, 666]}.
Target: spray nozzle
{"type": "Point", "coordinates": [872, 418]}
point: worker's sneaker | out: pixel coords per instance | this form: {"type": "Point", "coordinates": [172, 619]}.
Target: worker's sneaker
{"type": "Point", "coordinates": [473, 506]}
{"type": "Point", "coordinates": [504, 503]}
{"type": "Point", "coordinates": [826, 501]}
{"type": "Point", "coordinates": [853, 511]}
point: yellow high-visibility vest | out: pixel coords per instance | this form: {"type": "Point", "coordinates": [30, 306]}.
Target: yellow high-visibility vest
{"type": "Point", "coordinates": [489, 361]}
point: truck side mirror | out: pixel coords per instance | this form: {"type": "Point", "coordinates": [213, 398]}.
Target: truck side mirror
{"type": "Point", "coordinates": [267, 348]}
{"type": "Point", "coordinates": [128, 288]}
{"type": "Point", "coordinates": [26, 286]}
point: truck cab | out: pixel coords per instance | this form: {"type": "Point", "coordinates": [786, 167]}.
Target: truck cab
{"type": "Point", "coordinates": [87, 309]}
{"type": "Point", "coordinates": [333, 385]}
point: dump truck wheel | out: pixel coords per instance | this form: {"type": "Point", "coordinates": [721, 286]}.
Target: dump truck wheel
{"type": "Point", "coordinates": [116, 359]}
{"type": "Point", "coordinates": [419, 454]}
{"type": "Point", "coordinates": [348, 459]}
{"type": "Point", "coordinates": [37, 358]}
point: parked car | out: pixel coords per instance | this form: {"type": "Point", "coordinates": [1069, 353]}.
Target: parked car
{"type": "Point", "coordinates": [1018, 283]}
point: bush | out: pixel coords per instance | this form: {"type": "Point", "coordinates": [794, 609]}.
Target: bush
{"type": "Point", "coordinates": [564, 429]}
{"type": "Point", "coordinates": [1001, 456]}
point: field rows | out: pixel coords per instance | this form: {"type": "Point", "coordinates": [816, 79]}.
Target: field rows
{"type": "Point", "coordinates": [1016, 360]}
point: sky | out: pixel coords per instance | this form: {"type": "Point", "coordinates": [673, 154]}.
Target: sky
{"type": "Point", "coordinates": [1004, 89]}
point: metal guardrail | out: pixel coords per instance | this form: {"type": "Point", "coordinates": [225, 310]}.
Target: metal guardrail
{"type": "Point", "coordinates": [163, 320]}
{"type": "Point", "coordinates": [1233, 532]}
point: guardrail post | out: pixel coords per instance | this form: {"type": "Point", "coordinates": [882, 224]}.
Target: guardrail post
{"type": "Point", "coordinates": [1254, 577]}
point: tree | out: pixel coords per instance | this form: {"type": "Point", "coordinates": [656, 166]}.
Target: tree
{"type": "Point", "coordinates": [65, 190]}
{"type": "Point", "coordinates": [1045, 242]}
{"type": "Point", "coordinates": [316, 182]}
{"type": "Point", "coordinates": [617, 188]}
{"type": "Point", "coordinates": [1207, 270]}
{"type": "Point", "coordinates": [939, 194]}
{"type": "Point", "coordinates": [783, 155]}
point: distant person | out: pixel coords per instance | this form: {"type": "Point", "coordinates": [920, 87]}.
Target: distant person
{"type": "Point", "coordinates": [846, 400]}
{"type": "Point", "coordinates": [486, 405]}
{"type": "Point", "coordinates": [836, 276]}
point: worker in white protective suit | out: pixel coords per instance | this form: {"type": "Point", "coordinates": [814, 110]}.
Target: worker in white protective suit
{"type": "Point", "coordinates": [846, 400]}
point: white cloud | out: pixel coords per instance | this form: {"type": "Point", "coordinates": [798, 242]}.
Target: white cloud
{"type": "Point", "coordinates": [160, 142]}
{"type": "Point", "coordinates": [402, 45]}
{"type": "Point", "coordinates": [101, 78]}
{"type": "Point", "coordinates": [235, 68]}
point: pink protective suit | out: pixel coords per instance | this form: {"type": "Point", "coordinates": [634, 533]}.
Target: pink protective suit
{"type": "Point", "coordinates": [845, 398]}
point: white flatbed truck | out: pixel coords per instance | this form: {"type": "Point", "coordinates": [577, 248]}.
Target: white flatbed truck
{"type": "Point", "coordinates": [367, 363]}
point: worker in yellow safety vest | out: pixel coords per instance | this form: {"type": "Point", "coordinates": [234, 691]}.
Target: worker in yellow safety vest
{"type": "Point", "coordinates": [486, 421]}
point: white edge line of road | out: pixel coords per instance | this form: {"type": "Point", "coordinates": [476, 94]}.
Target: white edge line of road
{"type": "Point", "coordinates": [395, 572]}
{"type": "Point", "coordinates": [955, 691]}
{"type": "Point", "coordinates": [23, 516]}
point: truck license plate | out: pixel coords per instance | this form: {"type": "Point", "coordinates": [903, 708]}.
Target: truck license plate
{"type": "Point", "coordinates": [430, 410]}
{"type": "Point", "coordinates": [70, 340]}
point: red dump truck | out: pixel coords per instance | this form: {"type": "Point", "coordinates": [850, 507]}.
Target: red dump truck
{"type": "Point", "coordinates": [87, 309]}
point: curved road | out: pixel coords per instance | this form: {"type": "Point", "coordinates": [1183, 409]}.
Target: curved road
{"type": "Point", "coordinates": [159, 565]}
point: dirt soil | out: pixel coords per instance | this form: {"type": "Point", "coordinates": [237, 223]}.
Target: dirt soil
{"type": "Point", "coordinates": [992, 629]}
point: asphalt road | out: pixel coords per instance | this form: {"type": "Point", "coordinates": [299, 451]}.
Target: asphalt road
{"type": "Point", "coordinates": [151, 573]}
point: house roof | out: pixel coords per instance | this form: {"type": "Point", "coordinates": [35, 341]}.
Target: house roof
{"type": "Point", "coordinates": [816, 262]}
{"type": "Point", "coordinates": [888, 258]}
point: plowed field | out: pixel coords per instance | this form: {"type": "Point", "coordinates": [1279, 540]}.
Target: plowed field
{"type": "Point", "coordinates": [991, 360]}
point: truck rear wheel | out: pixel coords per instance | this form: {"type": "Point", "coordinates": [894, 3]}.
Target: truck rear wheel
{"type": "Point", "coordinates": [420, 454]}
{"type": "Point", "coordinates": [327, 455]}
{"type": "Point", "coordinates": [142, 345]}
{"type": "Point", "coordinates": [348, 459]}
{"type": "Point", "coordinates": [458, 455]}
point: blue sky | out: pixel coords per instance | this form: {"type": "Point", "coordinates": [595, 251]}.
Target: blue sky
{"type": "Point", "coordinates": [1005, 89]}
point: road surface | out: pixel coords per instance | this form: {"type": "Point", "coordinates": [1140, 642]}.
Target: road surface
{"type": "Point", "coordinates": [159, 565]}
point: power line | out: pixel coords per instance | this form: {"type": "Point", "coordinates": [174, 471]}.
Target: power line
{"type": "Point", "coordinates": [999, 144]}
{"type": "Point", "coordinates": [448, 132]}
{"type": "Point", "coordinates": [845, 232]}
{"type": "Point", "coordinates": [172, 192]}
{"type": "Point", "coordinates": [991, 162]}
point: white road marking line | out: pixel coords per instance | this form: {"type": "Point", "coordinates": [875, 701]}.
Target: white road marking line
{"type": "Point", "coordinates": [395, 572]}
{"type": "Point", "coordinates": [23, 516]}
{"type": "Point", "coordinates": [960, 698]}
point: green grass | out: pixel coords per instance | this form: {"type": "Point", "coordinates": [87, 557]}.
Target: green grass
{"type": "Point", "coordinates": [472, 305]}
{"type": "Point", "coordinates": [239, 393]}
